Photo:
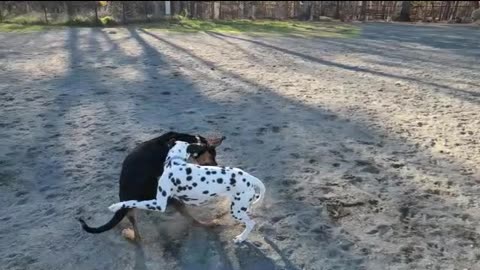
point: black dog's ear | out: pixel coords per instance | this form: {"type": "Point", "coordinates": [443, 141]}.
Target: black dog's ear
{"type": "Point", "coordinates": [171, 142]}
{"type": "Point", "coordinates": [215, 141]}
{"type": "Point", "coordinates": [195, 149]}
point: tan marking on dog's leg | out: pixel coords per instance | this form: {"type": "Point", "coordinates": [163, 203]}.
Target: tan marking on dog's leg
{"type": "Point", "coordinates": [133, 235]}
{"type": "Point", "coordinates": [128, 234]}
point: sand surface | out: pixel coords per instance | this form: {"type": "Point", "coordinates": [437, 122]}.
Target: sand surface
{"type": "Point", "coordinates": [369, 147]}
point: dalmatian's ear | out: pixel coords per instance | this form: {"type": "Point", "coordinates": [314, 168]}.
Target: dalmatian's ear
{"type": "Point", "coordinates": [196, 149]}
{"type": "Point", "coordinates": [171, 142]}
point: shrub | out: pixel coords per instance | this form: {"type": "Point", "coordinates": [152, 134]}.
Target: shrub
{"type": "Point", "coordinates": [26, 19]}
{"type": "Point", "coordinates": [79, 21]}
{"type": "Point", "coordinates": [108, 21]}
{"type": "Point", "coordinates": [476, 15]}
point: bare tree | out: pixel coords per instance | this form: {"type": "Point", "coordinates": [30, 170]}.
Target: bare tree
{"type": "Point", "coordinates": [95, 6]}
{"type": "Point", "coordinates": [405, 12]}
{"type": "Point", "coordinates": [124, 12]}
{"type": "Point", "coordinates": [156, 9]}
{"type": "Point", "coordinates": [446, 11]}
{"type": "Point", "coordinates": [253, 7]}
{"type": "Point", "coordinates": [454, 13]}
{"type": "Point", "coordinates": [69, 8]}
{"type": "Point", "coordinates": [363, 12]}
{"type": "Point", "coordinates": [216, 10]}
{"type": "Point", "coordinates": [2, 10]}
{"type": "Point", "coordinates": [384, 8]}
{"type": "Point", "coordinates": [337, 9]}
{"type": "Point", "coordinates": [45, 13]}
{"type": "Point", "coordinates": [311, 10]}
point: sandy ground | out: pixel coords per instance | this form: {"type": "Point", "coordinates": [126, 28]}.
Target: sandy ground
{"type": "Point", "coordinates": [369, 147]}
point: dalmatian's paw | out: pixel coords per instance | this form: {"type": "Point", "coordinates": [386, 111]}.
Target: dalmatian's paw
{"type": "Point", "coordinates": [115, 207]}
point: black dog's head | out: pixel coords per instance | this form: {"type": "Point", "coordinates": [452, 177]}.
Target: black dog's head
{"type": "Point", "coordinates": [202, 151]}
{"type": "Point", "coordinates": [205, 153]}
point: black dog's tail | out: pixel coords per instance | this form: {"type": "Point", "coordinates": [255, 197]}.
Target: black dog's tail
{"type": "Point", "coordinates": [119, 215]}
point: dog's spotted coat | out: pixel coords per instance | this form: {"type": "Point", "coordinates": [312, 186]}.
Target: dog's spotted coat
{"type": "Point", "coordinates": [194, 184]}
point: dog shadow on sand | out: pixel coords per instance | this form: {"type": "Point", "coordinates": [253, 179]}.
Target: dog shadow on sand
{"type": "Point", "coordinates": [188, 247]}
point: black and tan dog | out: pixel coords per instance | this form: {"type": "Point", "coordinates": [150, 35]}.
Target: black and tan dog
{"type": "Point", "coordinates": [141, 170]}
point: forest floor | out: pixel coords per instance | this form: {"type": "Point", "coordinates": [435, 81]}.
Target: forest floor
{"type": "Point", "coordinates": [369, 145]}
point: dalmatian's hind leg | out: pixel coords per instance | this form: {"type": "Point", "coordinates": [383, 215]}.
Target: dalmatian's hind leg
{"type": "Point", "coordinates": [239, 212]}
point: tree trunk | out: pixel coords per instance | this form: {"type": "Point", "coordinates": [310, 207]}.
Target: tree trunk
{"type": "Point", "coordinates": [246, 9]}
{"type": "Point", "coordinates": [97, 21]}
{"type": "Point", "coordinates": [27, 7]}
{"type": "Point", "coordinates": [168, 9]}
{"type": "Point", "coordinates": [337, 9]}
{"type": "Point", "coordinates": [433, 11]}
{"type": "Point", "coordinates": [156, 10]}
{"type": "Point", "coordinates": [394, 8]}
{"type": "Point", "coordinates": [216, 10]}
{"type": "Point", "coordinates": [191, 8]}
{"type": "Point", "coordinates": [252, 10]}
{"type": "Point", "coordinates": [241, 9]}
{"type": "Point", "coordinates": [280, 10]}
{"type": "Point", "coordinates": [446, 11]}
{"type": "Point", "coordinates": [1, 11]}
{"type": "Point", "coordinates": [45, 13]}
{"type": "Point", "coordinates": [363, 12]}
{"type": "Point", "coordinates": [195, 9]}
{"type": "Point", "coordinates": [454, 13]}
{"type": "Point", "coordinates": [295, 9]}
{"type": "Point", "coordinates": [405, 12]}
{"type": "Point", "coordinates": [69, 8]}
{"type": "Point", "coordinates": [124, 13]}
{"type": "Point", "coordinates": [145, 10]}
{"type": "Point", "coordinates": [174, 7]}
{"type": "Point", "coordinates": [288, 9]}
{"type": "Point", "coordinates": [311, 10]}
{"type": "Point", "coordinates": [440, 13]}
{"type": "Point", "coordinates": [384, 6]}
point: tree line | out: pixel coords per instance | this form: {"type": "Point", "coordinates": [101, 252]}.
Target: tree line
{"type": "Point", "coordinates": [145, 11]}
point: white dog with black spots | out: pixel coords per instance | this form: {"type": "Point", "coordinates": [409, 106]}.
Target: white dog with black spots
{"type": "Point", "coordinates": [194, 184]}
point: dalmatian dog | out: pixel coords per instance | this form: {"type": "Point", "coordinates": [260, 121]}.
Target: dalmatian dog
{"type": "Point", "coordinates": [194, 184]}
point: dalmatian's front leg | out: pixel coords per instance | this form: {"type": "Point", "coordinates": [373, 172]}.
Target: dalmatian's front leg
{"type": "Point", "coordinates": [154, 205]}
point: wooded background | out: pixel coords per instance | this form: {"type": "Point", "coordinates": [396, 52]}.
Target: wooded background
{"type": "Point", "coordinates": [145, 11]}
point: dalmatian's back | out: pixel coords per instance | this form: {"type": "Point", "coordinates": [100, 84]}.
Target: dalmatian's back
{"type": "Point", "coordinates": [195, 184]}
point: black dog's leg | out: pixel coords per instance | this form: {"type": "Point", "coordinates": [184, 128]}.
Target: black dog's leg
{"type": "Point", "coordinates": [131, 215]}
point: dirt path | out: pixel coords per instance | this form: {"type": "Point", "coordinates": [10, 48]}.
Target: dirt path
{"type": "Point", "coordinates": [369, 147]}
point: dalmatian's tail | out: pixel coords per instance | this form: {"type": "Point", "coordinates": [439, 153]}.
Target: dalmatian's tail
{"type": "Point", "coordinates": [256, 182]}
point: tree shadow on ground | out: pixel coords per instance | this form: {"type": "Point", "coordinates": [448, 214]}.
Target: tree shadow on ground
{"type": "Point", "coordinates": [455, 92]}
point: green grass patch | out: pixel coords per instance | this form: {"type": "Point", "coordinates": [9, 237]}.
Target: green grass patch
{"type": "Point", "coordinates": [29, 23]}
{"type": "Point", "coordinates": [296, 28]}
{"type": "Point", "coordinates": [32, 19]}
{"type": "Point", "coordinates": [15, 27]}
{"type": "Point", "coordinates": [183, 25]}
